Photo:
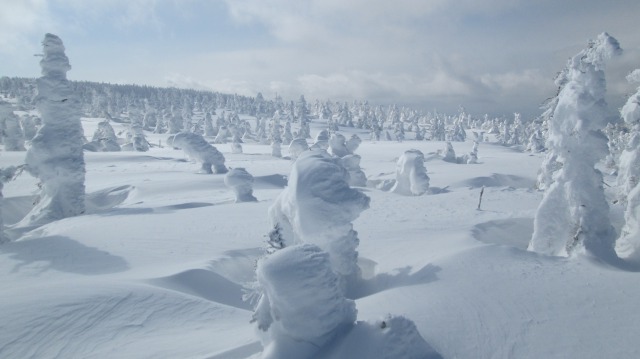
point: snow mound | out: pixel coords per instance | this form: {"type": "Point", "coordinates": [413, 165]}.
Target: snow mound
{"type": "Point", "coordinates": [497, 180]}
{"type": "Point", "coordinates": [108, 320]}
{"type": "Point", "coordinates": [107, 198]}
{"type": "Point", "coordinates": [391, 338]}
{"type": "Point", "coordinates": [514, 232]}
{"type": "Point", "coordinates": [205, 284]}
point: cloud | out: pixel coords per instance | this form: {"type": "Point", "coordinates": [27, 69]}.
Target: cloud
{"type": "Point", "coordinates": [19, 20]}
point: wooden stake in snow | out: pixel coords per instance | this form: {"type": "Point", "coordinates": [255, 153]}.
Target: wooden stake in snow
{"type": "Point", "coordinates": [480, 201]}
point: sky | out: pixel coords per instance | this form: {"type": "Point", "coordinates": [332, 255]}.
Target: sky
{"type": "Point", "coordinates": [489, 56]}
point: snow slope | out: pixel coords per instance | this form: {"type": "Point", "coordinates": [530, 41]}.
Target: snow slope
{"type": "Point", "coordinates": [158, 265]}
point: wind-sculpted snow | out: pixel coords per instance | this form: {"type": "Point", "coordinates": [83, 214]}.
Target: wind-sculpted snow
{"type": "Point", "coordinates": [82, 320]}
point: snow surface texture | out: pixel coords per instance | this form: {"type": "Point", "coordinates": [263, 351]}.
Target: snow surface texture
{"type": "Point", "coordinates": [302, 307]}
{"type": "Point", "coordinates": [574, 215]}
{"type": "Point", "coordinates": [318, 206]}
{"type": "Point", "coordinates": [55, 156]}
{"type": "Point", "coordinates": [241, 182]}
{"type": "Point", "coordinates": [411, 175]}
{"type": "Point", "coordinates": [199, 150]}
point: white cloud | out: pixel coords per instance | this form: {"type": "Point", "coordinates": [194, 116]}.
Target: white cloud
{"type": "Point", "coordinates": [19, 20]}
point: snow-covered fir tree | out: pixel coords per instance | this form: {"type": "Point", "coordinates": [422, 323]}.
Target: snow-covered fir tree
{"type": "Point", "coordinates": [241, 182]}
{"type": "Point", "coordinates": [199, 150]}
{"type": "Point", "coordinates": [573, 216]}
{"type": "Point", "coordinates": [55, 156]}
{"type": "Point", "coordinates": [628, 245]}
{"type": "Point", "coordinates": [411, 175]}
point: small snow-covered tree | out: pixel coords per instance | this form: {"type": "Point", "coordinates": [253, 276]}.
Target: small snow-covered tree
{"type": "Point", "coordinates": [104, 139]}
{"type": "Point", "coordinates": [318, 206]}
{"type": "Point", "coordinates": [199, 150]}
{"type": "Point", "coordinates": [338, 145]}
{"type": "Point", "coordinates": [297, 147]}
{"type": "Point", "coordinates": [357, 177]}
{"type": "Point", "coordinates": [6, 174]}
{"type": "Point", "coordinates": [137, 141]}
{"type": "Point", "coordinates": [353, 143]}
{"type": "Point", "coordinates": [302, 307]}
{"type": "Point", "coordinates": [449, 154]}
{"type": "Point", "coordinates": [55, 156]}
{"type": "Point", "coordinates": [322, 140]}
{"type": "Point", "coordinates": [411, 175]}
{"type": "Point", "coordinates": [276, 150]}
{"type": "Point", "coordinates": [573, 216]}
{"type": "Point", "coordinates": [12, 135]}
{"type": "Point", "coordinates": [241, 182]}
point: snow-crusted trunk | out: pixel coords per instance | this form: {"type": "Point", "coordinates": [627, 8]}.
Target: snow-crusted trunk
{"type": "Point", "coordinates": [573, 216]}
{"type": "Point", "coordinates": [56, 156]}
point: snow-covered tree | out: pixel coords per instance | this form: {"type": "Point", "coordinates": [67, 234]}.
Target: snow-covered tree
{"type": "Point", "coordinates": [318, 206]}
{"type": "Point", "coordinates": [55, 156]}
{"type": "Point", "coordinates": [357, 177]}
{"type": "Point", "coordinates": [297, 147]}
{"type": "Point", "coordinates": [199, 150]}
{"type": "Point", "coordinates": [449, 154]}
{"type": "Point", "coordinates": [12, 135]}
{"type": "Point", "coordinates": [573, 216]}
{"type": "Point", "coordinates": [411, 175]}
{"type": "Point", "coordinates": [322, 140]}
{"type": "Point", "coordinates": [353, 143]}
{"type": "Point", "coordinates": [104, 139]}
{"type": "Point", "coordinates": [302, 307]}
{"type": "Point", "coordinates": [276, 150]}
{"type": "Point", "coordinates": [241, 182]}
{"type": "Point", "coordinates": [628, 245]}
{"type": "Point", "coordinates": [338, 145]}
{"type": "Point", "coordinates": [6, 174]}
{"type": "Point", "coordinates": [136, 140]}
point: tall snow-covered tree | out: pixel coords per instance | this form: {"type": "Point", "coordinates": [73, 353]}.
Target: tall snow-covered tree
{"type": "Point", "coordinates": [56, 156]}
{"type": "Point", "coordinates": [573, 216]}
{"type": "Point", "coordinates": [628, 245]}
